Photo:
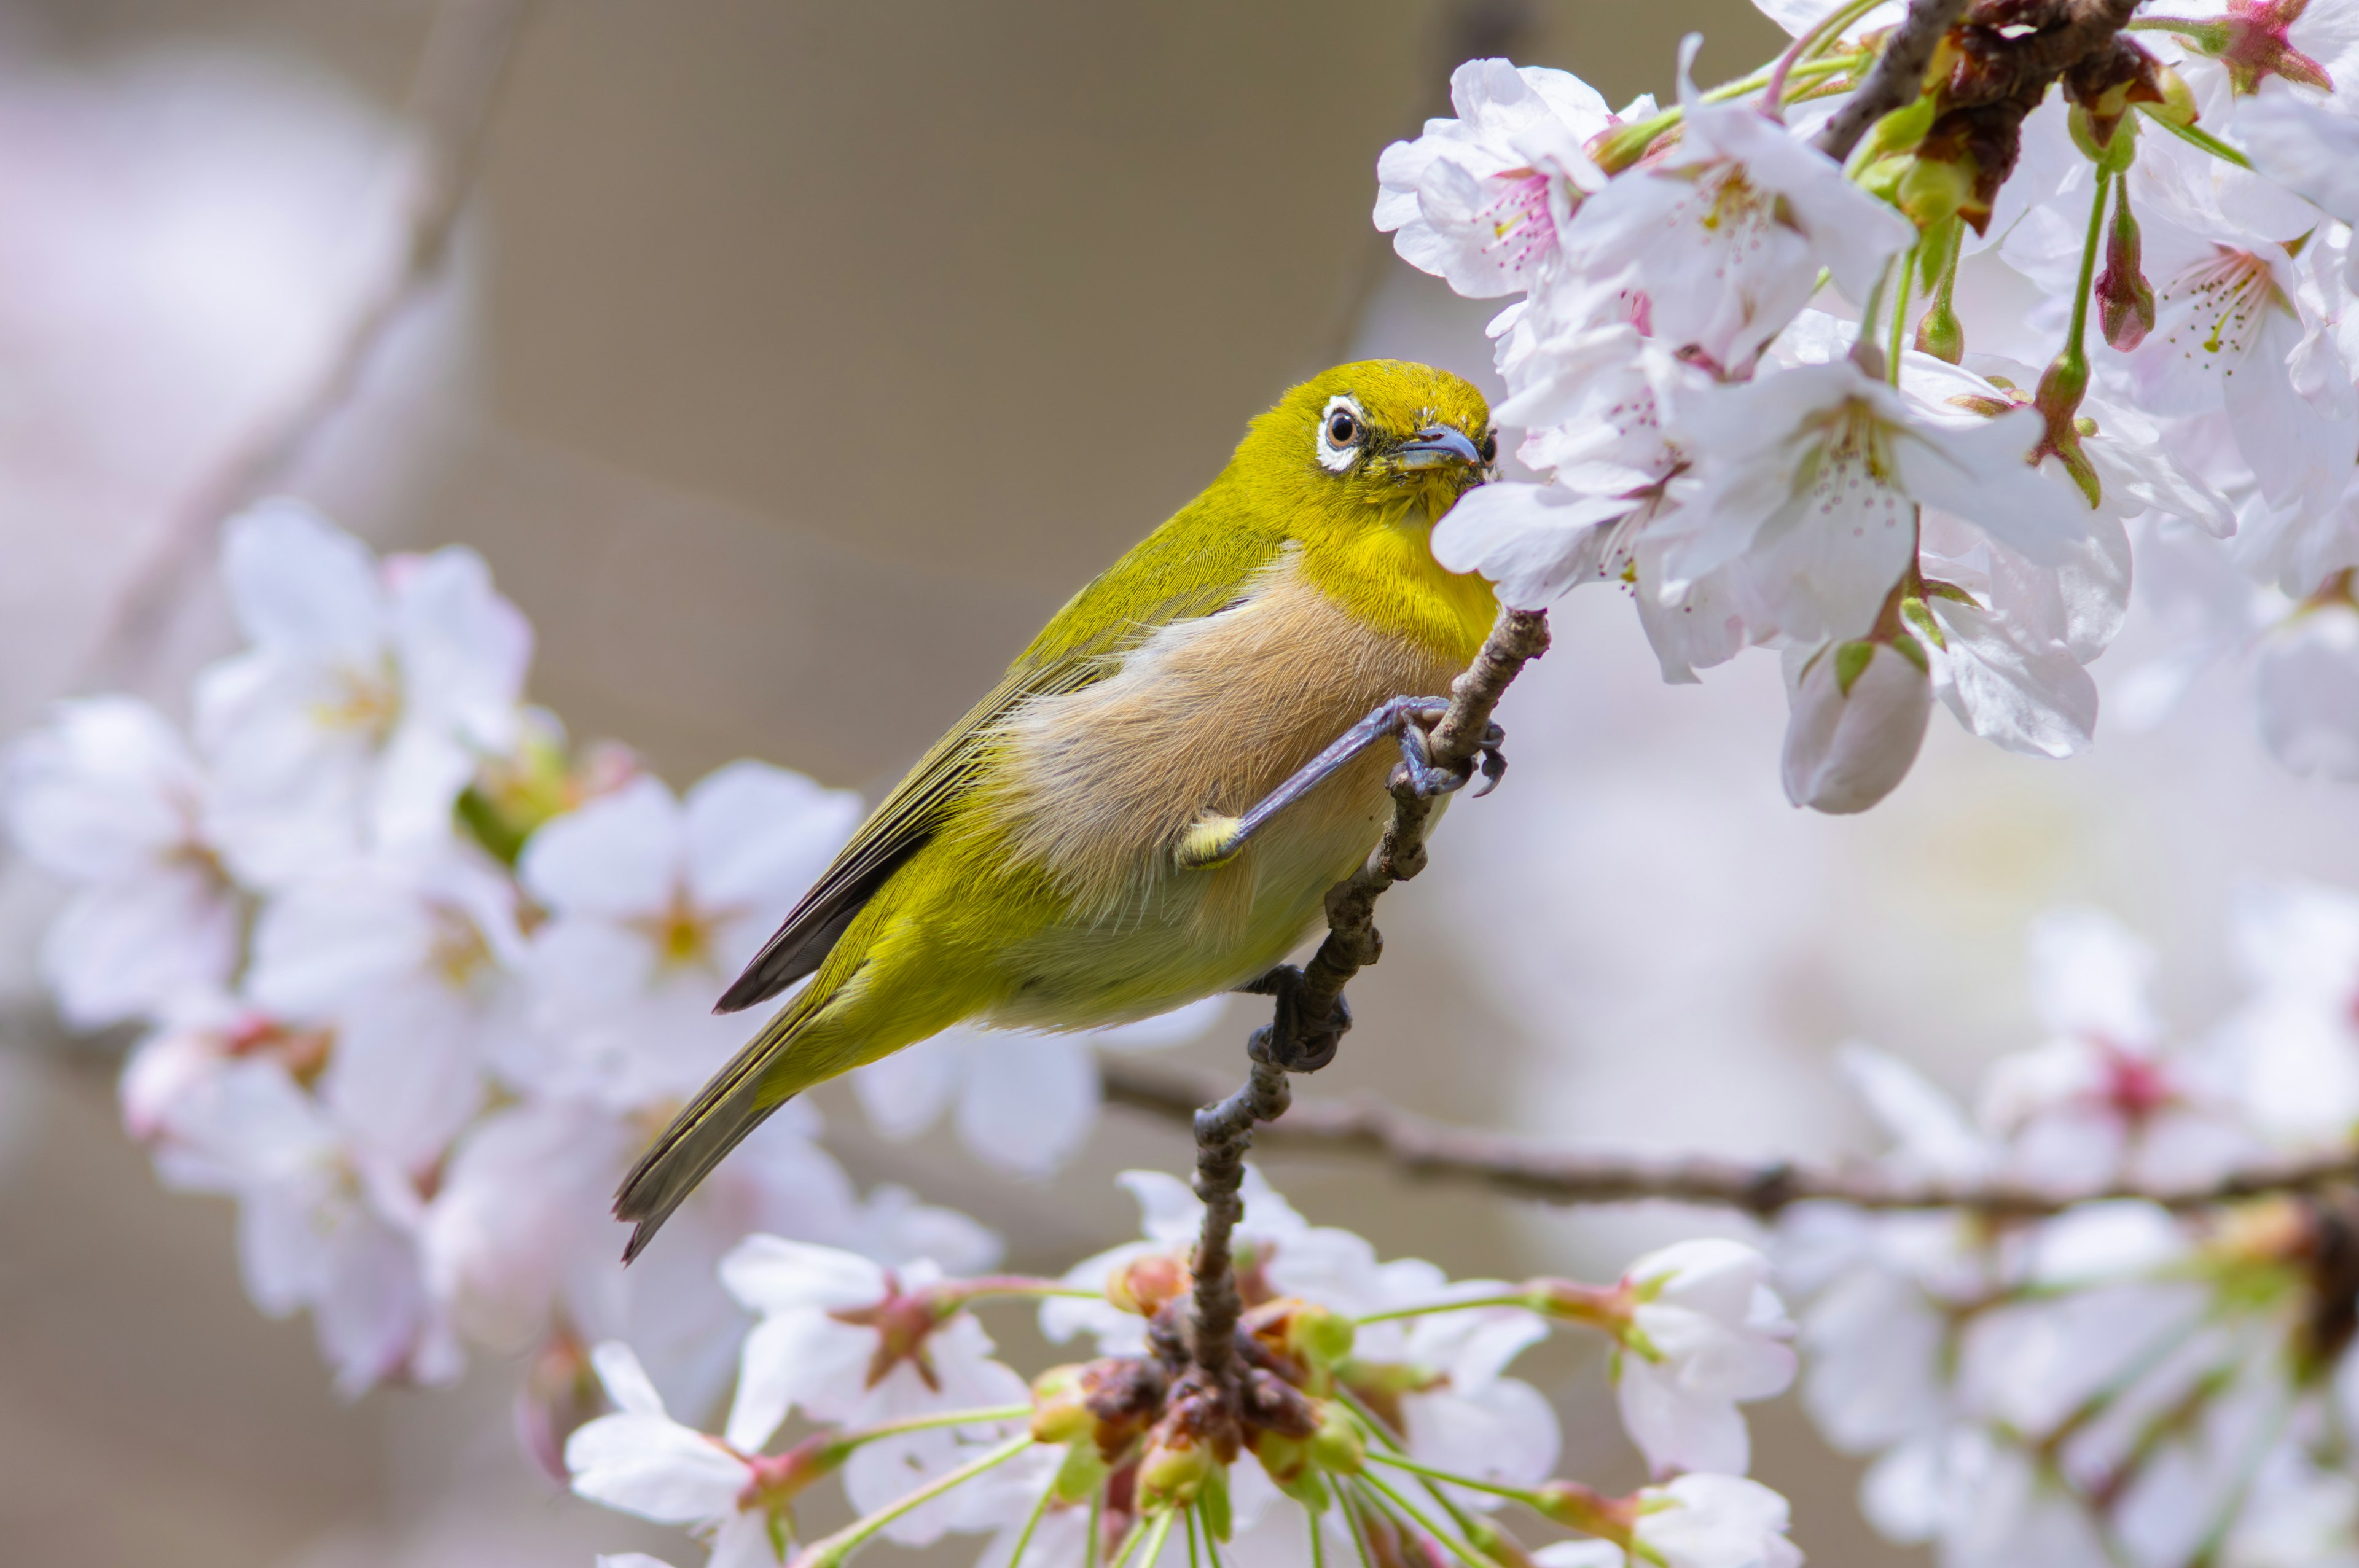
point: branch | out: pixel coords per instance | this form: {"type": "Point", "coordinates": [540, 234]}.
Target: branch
{"type": "Point", "coordinates": [1432, 1150]}
{"type": "Point", "coordinates": [460, 70]}
{"type": "Point", "coordinates": [1897, 78]}
{"type": "Point", "coordinates": [1309, 1016]}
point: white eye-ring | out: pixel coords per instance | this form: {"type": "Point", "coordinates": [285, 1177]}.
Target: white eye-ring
{"type": "Point", "coordinates": [1343, 428]}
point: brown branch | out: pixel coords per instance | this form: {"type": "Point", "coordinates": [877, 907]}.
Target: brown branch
{"type": "Point", "coordinates": [465, 58]}
{"type": "Point", "coordinates": [1309, 1016]}
{"type": "Point", "coordinates": [1531, 1168]}
{"type": "Point", "coordinates": [1897, 78]}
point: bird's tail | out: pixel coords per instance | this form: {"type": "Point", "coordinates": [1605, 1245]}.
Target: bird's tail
{"type": "Point", "coordinates": [740, 1098]}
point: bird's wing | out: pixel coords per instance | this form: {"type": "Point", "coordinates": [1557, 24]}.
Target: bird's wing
{"type": "Point", "coordinates": [1171, 575]}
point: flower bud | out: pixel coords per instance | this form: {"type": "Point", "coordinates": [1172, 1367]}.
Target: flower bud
{"type": "Point", "coordinates": [1173, 1471]}
{"type": "Point", "coordinates": [1858, 713]}
{"type": "Point", "coordinates": [1933, 190]}
{"type": "Point", "coordinates": [2061, 386]}
{"type": "Point", "coordinates": [1337, 1445]}
{"type": "Point", "coordinates": [1109, 1402]}
{"type": "Point", "coordinates": [2124, 298]}
{"type": "Point", "coordinates": [1319, 1337]}
{"type": "Point", "coordinates": [1592, 1512]}
{"type": "Point", "coordinates": [2178, 104]}
{"type": "Point", "coordinates": [1144, 1284]}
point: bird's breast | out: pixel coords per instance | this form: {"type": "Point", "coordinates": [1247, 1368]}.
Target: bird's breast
{"type": "Point", "coordinates": [1209, 715]}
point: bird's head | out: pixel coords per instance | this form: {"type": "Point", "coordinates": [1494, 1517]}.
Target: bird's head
{"type": "Point", "coordinates": [1377, 434]}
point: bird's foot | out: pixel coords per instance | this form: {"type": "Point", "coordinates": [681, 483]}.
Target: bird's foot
{"type": "Point", "coordinates": [1294, 1039]}
{"type": "Point", "coordinates": [1425, 777]}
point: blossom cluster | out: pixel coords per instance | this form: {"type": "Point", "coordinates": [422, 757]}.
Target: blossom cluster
{"type": "Point", "coordinates": [1901, 417]}
{"type": "Point", "coordinates": [2116, 1383]}
{"type": "Point", "coordinates": [417, 981]}
{"type": "Point", "coordinates": [1373, 1420]}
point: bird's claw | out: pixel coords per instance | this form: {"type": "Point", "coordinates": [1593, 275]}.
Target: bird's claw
{"type": "Point", "coordinates": [1292, 1039]}
{"type": "Point", "coordinates": [1426, 778]}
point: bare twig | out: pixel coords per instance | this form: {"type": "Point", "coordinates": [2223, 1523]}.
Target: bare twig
{"type": "Point", "coordinates": [465, 58]}
{"type": "Point", "coordinates": [1899, 76]}
{"type": "Point", "coordinates": [1308, 1015]}
{"type": "Point", "coordinates": [1433, 1150]}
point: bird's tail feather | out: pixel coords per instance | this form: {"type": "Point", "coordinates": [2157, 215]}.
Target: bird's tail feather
{"type": "Point", "coordinates": [719, 1118]}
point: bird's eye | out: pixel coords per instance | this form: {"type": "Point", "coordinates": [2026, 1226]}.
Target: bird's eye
{"type": "Point", "coordinates": [1490, 447]}
{"type": "Point", "coordinates": [1343, 434]}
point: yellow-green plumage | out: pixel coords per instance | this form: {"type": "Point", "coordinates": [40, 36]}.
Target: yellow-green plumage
{"type": "Point", "coordinates": [1023, 874]}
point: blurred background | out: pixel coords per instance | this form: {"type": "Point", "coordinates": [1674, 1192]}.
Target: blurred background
{"type": "Point", "coordinates": [789, 363]}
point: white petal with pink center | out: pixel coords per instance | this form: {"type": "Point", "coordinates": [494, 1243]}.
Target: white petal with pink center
{"type": "Point", "coordinates": [108, 797]}
{"type": "Point", "coordinates": [1727, 234]}
{"type": "Point", "coordinates": [656, 904]}
{"type": "Point", "coordinates": [642, 1462]}
{"type": "Point", "coordinates": [365, 701]}
{"type": "Point", "coordinates": [1480, 199]}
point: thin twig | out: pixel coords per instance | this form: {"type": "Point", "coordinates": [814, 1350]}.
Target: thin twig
{"type": "Point", "coordinates": [465, 58]}
{"type": "Point", "coordinates": [1897, 78]}
{"type": "Point", "coordinates": [1308, 1012]}
{"type": "Point", "coordinates": [1434, 1150]}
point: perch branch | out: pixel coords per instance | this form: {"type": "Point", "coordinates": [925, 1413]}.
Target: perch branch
{"type": "Point", "coordinates": [1897, 78]}
{"type": "Point", "coordinates": [466, 56]}
{"type": "Point", "coordinates": [1532, 1168]}
{"type": "Point", "coordinates": [1309, 1016]}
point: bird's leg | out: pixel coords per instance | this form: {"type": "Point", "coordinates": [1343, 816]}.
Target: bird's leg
{"type": "Point", "coordinates": [1293, 1040]}
{"type": "Point", "coordinates": [1216, 838]}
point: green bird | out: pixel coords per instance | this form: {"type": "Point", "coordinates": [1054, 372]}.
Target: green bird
{"type": "Point", "coordinates": [1151, 805]}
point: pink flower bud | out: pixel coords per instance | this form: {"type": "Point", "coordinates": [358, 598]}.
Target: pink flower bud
{"type": "Point", "coordinates": [2124, 298]}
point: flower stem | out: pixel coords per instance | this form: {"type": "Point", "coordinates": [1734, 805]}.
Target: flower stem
{"type": "Point", "coordinates": [1195, 1559]}
{"type": "Point", "coordinates": [1457, 1549]}
{"type": "Point", "coordinates": [1040, 1510]}
{"type": "Point", "coordinates": [1810, 44]}
{"type": "Point", "coordinates": [1015, 1287]}
{"type": "Point", "coordinates": [1907, 261]}
{"type": "Point", "coordinates": [2196, 137]}
{"type": "Point", "coordinates": [2076, 350]}
{"type": "Point", "coordinates": [1517, 1494]}
{"type": "Point", "coordinates": [1156, 1534]}
{"type": "Point", "coordinates": [1393, 1314]}
{"type": "Point", "coordinates": [1625, 144]}
{"type": "Point", "coordinates": [850, 1440]}
{"type": "Point", "coordinates": [835, 1549]}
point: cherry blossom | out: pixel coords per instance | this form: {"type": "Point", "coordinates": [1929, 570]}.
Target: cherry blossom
{"type": "Point", "coordinates": [1707, 1333]}
{"type": "Point", "coordinates": [408, 958]}
{"type": "Point", "coordinates": [108, 797]}
{"type": "Point", "coordinates": [654, 904]}
{"type": "Point", "coordinates": [365, 701]}
{"type": "Point", "coordinates": [1694, 1522]}
{"type": "Point", "coordinates": [642, 1461]}
{"type": "Point", "coordinates": [1482, 199]}
{"type": "Point", "coordinates": [1725, 236]}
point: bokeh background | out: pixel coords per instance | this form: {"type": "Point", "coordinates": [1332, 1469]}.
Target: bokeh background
{"type": "Point", "coordinates": [789, 363]}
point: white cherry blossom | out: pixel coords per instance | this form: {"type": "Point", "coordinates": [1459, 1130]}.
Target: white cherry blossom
{"type": "Point", "coordinates": [108, 797]}
{"type": "Point", "coordinates": [321, 1224]}
{"type": "Point", "coordinates": [408, 957]}
{"type": "Point", "coordinates": [642, 1461]}
{"type": "Point", "coordinates": [366, 700]}
{"type": "Point", "coordinates": [1708, 1334]}
{"type": "Point", "coordinates": [1694, 1522]}
{"type": "Point", "coordinates": [655, 905]}
{"type": "Point", "coordinates": [1482, 199]}
{"type": "Point", "coordinates": [842, 1339]}
{"type": "Point", "coordinates": [1725, 236]}
{"type": "Point", "coordinates": [1809, 478]}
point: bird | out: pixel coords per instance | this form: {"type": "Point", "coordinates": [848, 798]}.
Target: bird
{"type": "Point", "coordinates": [1149, 807]}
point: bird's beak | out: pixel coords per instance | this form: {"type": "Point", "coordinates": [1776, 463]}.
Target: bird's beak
{"type": "Point", "coordinates": [1436, 445]}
